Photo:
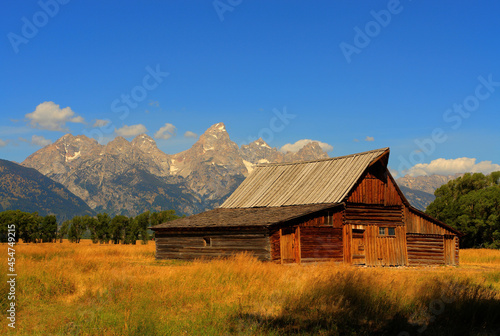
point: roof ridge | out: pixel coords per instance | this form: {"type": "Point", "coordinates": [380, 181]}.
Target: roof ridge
{"type": "Point", "coordinates": [320, 160]}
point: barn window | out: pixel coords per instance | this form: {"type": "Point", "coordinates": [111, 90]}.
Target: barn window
{"type": "Point", "coordinates": [329, 218]}
{"type": "Point", "coordinates": [392, 231]}
{"type": "Point", "coordinates": [207, 241]}
{"type": "Point", "coordinates": [381, 231]}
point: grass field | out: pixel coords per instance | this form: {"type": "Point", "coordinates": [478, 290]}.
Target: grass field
{"type": "Point", "coordinates": [87, 289]}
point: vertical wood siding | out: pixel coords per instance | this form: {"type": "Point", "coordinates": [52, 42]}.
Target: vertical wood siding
{"type": "Point", "coordinates": [415, 223]}
{"type": "Point", "coordinates": [275, 246]}
{"type": "Point", "coordinates": [347, 243]}
{"type": "Point", "coordinates": [374, 190]}
{"type": "Point", "coordinates": [385, 250]}
{"type": "Point", "coordinates": [378, 250]}
{"type": "Point", "coordinates": [449, 250]}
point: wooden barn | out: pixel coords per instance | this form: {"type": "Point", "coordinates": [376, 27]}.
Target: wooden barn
{"type": "Point", "coordinates": [346, 209]}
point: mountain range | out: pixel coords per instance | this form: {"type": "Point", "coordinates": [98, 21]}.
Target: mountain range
{"type": "Point", "coordinates": [28, 190]}
{"type": "Point", "coordinates": [130, 177]}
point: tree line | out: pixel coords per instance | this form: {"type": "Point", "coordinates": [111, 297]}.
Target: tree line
{"type": "Point", "coordinates": [471, 204]}
{"type": "Point", "coordinates": [32, 228]}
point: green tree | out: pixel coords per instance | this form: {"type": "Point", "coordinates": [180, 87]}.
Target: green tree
{"type": "Point", "coordinates": [28, 226]}
{"type": "Point", "coordinates": [142, 222]}
{"type": "Point", "coordinates": [48, 229]}
{"type": "Point", "coordinates": [471, 204]}
{"type": "Point", "coordinates": [63, 230]}
{"type": "Point", "coordinates": [103, 228]}
{"type": "Point", "coordinates": [162, 217]}
{"type": "Point", "coordinates": [76, 229]}
{"type": "Point", "coordinates": [131, 232]}
{"type": "Point", "coordinates": [118, 225]}
{"type": "Point", "coordinates": [9, 218]}
{"type": "Point", "coordinates": [91, 223]}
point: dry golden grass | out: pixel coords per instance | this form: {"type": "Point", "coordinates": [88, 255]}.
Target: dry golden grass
{"type": "Point", "coordinates": [89, 289]}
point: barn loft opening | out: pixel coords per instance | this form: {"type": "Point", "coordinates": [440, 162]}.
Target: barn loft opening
{"type": "Point", "coordinates": [207, 242]}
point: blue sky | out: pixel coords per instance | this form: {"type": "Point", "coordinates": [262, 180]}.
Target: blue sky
{"type": "Point", "coordinates": [420, 77]}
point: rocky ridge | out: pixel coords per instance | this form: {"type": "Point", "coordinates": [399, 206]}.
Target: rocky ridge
{"type": "Point", "coordinates": [128, 178]}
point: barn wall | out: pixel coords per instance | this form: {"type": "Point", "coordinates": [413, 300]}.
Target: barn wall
{"type": "Point", "coordinates": [275, 246]}
{"type": "Point", "coordinates": [385, 250]}
{"type": "Point", "coordinates": [363, 214]}
{"type": "Point", "coordinates": [425, 249]}
{"type": "Point", "coordinates": [189, 245]}
{"type": "Point", "coordinates": [332, 218]}
{"type": "Point", "coordinates": [321, 243]}
{"type": "Point", "coordinates": [416, 223]}
{"type": "Point", "coordinates": [364, 220]}
{"type": "Point", "coordinates": [317, 237]}
{"type": "Point", "coordinates": [375, 188]}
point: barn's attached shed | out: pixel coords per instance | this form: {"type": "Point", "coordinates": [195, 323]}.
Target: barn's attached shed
{"type": "Point", "coordinates": [346, 209]}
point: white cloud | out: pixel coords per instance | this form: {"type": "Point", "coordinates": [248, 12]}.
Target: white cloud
{"type": "Point", "coordinates": [131, 131]}
{"type": "Point", "coordinates": [166, 132]}
{"type": "Point", "coordinates": [39, 140]}
{"type": "Point", "coordinates": [295, 147]}
{"type": "Point", "coordinates": [101, 122]}
{"type": "Point", "coordinates": [393, 172]}
{"type": "Point", "coordinates": [190, 134]}
{"type": "Point", "coordinates": [369, 138]}
{"type": "Point", "coordinates": [49, 116]}
{"type": "Point", "coordinates": [3, 143]}
{"type": "Point", "coordinates": [453, 166]}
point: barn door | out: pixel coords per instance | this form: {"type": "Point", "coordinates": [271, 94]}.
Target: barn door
{"type": "Point", "coordinates": [358, 247]}
{"type": "Point", "coordinates": [449, 250]}
{"type": "Point", "coordinates": [289, 245]}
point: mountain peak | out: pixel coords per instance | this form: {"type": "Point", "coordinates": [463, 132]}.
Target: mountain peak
{"type": "Point", "coordinates": [66, 137]}
{"type": "Point", "coordinates": [71, 139]}
{"type": "Point", "coordinates": [147, 144]}
{"type": "Point", "coordinates": [143, 138]}
{"type": "Point", "coordinates": [119, 141]}
{"type": "Point", "coordinates": [215, 134]}
{"type": "Point", "coordinates": [261, 143]}
{"type": "Point", "coordinates": [217, 128]}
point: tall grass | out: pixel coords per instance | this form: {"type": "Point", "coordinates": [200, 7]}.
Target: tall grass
{"type": "Point", "coordinates": [86, 289]}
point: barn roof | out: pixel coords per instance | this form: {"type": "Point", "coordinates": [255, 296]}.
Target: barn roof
{"type": "Point", "coordinates": [224, 217]}
{"type": "Point", "coordinates": [309, 182]}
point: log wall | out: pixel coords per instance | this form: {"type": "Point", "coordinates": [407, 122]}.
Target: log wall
{"type": "Point", "coordinates": [363, 214]}
{"type": "Point", "coordinates": [425, 249]}
{"type": "Point", "coordinates": [331, 218]}
{"type": "Point", "coordinates": [321, 243]}
{"type": "Point", "coordinates": [190, 245]}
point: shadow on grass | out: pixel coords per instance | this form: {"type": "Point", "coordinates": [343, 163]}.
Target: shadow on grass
{"type": "Point", "coordinates": [353, 303]}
